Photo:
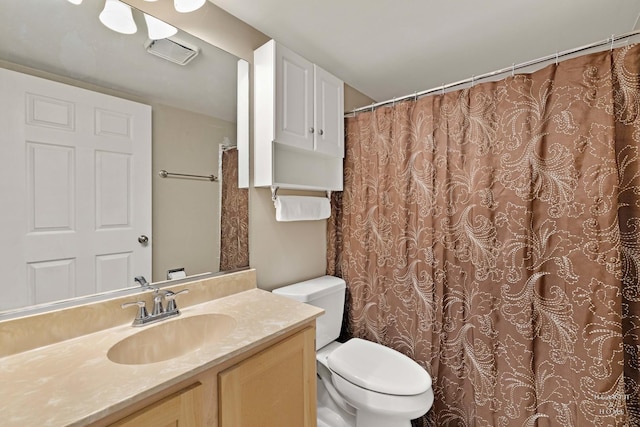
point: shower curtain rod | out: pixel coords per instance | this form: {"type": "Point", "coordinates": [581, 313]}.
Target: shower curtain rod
{"type": "Point", "coordinates": [609, 41]}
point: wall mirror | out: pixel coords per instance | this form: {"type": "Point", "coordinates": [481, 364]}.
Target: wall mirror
{"type": "Point", "coordinates": [194, 114]}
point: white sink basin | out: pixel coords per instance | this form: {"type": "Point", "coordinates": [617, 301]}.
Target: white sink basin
{"type": "Point", "coordinates": [171, 338]}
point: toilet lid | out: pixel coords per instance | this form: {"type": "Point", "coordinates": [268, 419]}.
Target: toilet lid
{"type": "Point", "coordinates": [378, 368]}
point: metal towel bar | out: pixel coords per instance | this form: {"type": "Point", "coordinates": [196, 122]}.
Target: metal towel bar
{"type": "Point", "coordinates": [164, 174]}
{"type": "Point", "coordinates": [274, 193]}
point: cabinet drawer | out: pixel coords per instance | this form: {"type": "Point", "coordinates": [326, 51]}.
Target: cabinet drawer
{"type": "Point", "coordinates": [182, 409]}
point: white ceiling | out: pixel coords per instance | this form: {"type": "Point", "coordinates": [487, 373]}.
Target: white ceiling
{"type": "Point", "coordinates": [391, 48]}
{"type": "Point", "coordinates": [68, 40]}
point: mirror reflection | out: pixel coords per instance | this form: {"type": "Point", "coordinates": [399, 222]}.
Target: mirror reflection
{"type": "Point", "coordinates": [191, 130]}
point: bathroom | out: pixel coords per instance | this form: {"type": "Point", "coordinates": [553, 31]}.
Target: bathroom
{"type": "Point", "coordinates": [283, 253]}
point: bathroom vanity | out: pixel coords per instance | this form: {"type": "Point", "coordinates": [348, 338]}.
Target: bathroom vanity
{"type": "Point", "coordinates": [273, 386]}
{"type": "Point", "coordinates": [240, 358]}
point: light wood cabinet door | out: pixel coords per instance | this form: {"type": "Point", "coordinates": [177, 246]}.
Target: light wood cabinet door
{"type": "Point", "coordinates": [183, 409]}
{"type": "Point", "coordinates": [274, 388]}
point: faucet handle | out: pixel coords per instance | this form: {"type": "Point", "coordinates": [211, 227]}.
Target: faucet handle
{"type": "Point", "coordinates": [170, 296]}
{"type": "Point", "coordinates": [142, 310]}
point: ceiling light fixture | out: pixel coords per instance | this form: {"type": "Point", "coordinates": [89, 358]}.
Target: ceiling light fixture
{"type": "Point", "coordinates": [158, 29]}
{"type": "Point", "coordinates": [118, 17]}
{"type": "Point", "coordinates": [185, 6]}
{"type": "Point", "coordinates": [75, 1]}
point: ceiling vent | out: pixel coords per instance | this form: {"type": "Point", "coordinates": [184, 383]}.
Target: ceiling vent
{"type": "Point", "coordinates": [172, 50]}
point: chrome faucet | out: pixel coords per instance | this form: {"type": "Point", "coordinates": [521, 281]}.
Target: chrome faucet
{"type": "Point", "coordinates": [158, 313]}
{"type": "Point", "coordinates": [157, 303]}
{"type": "Point", "coordinates": [141, 281]}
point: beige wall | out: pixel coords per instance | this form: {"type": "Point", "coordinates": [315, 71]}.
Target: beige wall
{"type": "Point", "coordinates": [186, 211]}
{"type": "Point", "coordinates": [354, 99]}
{"type": "Point", "coordinates": [281, 253]}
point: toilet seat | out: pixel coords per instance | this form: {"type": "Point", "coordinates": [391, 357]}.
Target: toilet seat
{"type": "Point", "coordinates": [379, 369]}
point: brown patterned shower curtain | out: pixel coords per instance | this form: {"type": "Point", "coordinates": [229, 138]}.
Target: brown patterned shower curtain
{"type": "Point", "coordinates": [234, 215]}
{"type": "Point", "coordinates": [493, 235]}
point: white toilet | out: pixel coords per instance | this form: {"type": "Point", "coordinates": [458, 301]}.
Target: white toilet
{"type": "Point", "coordinates": [361, 383]}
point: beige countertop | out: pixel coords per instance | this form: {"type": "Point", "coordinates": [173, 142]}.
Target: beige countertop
{"type": "Point", "coordinates": [74, 383]}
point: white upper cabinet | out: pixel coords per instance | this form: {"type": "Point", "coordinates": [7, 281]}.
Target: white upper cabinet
{"type": "Point", "coordinates": [299, 122]}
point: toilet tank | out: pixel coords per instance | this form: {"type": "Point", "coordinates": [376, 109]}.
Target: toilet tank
{"type": "Point", "coordinates": [326, 292]}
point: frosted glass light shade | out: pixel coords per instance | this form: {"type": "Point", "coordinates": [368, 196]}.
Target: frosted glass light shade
{"type": "Point", "coordinates": [75, 1]}
{"type": "Point", "coordinates": [158, 29]}
{"type": "Point", "coordinates": [118, 17]}
{"type": "Point", "coordinates": [188, 5]}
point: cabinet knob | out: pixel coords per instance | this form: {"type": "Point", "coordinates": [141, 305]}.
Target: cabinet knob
{"type": "Point", "coordinates": [321, 132]}
{"type": "Point", "coordinates": [311, 130]}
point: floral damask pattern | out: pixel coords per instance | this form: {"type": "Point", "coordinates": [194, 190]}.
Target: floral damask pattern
{"type": "Point", "coordinates": [493, 235]}
{"type": "Point", "coordinates": [234, 215]}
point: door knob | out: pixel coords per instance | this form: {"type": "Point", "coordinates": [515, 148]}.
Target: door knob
{"type": "Point", "coordinates": [143, 240]}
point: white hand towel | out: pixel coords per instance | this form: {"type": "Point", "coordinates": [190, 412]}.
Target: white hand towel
{"type": "Point", "coordinates": [302, 208]}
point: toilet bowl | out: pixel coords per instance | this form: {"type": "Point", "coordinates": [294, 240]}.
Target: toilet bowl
{"type": "Point", "coordinates": [380, 383]}
{"type": "Point", "coordinates": [333, 409]}
{"type": "Point", "coordinates": [360, 383]}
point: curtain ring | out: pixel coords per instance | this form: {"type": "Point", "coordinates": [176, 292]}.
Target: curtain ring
{"type": "Point", "coordinates": [613, 38]}
{"type": "Point", "coordinates": [513, 69]}
{"type": "Point", "coordinates": [556, 58]}
{"type": "Point", "coordinates": [442, 89]}
{"type": "Point", "coordinates": [472, 80]}
{"type": "Point", "coordinates": [415, 96]}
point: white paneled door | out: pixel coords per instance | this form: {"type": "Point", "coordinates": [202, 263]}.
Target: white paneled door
{"type": "Point", "coordinates": [75, 191]}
